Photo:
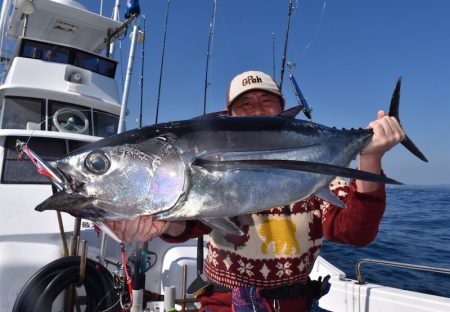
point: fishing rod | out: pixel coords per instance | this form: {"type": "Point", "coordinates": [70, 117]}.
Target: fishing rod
{"type": "Point", "coordinates": [301, 101]}
{"type": "Point", "coordinates": [273, 56]}
{"type": "Point", "coordinates": [141, 81]}
{"type": "Point", "coordinates": [210, 38]}
{"type": "Point", "coordinates": [200, 243]}
{"type": "Point", "coordinates": [283, 60]}
{"type": "Point", "coordinates": [162, 63]}
{"type": "Point", "coordinates": [112, 45]}
{"type": "Point", "coordinates": [138, 276]}
{"type": "Point", "coordinates": [126, 89]}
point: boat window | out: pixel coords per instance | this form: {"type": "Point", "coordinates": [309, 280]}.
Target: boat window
{"type": "Point", "coordinates": [24, 171]}
{"type": "Point", "coordinates": [107, 68]}
{"type": "Point", "coordinates": [86, 61]}
{"type": "Point", "coordinates": [74, 145]}
{"type": "Point", "coordinates": [46, 52]}
{"type": "Point", "coordinates": [105, 124]}
{"type": "Point", "coordinates": [94, 63]}
{"type": "Point", "coordinates": [67, 55]}
{"type": "Point", "coordinates": [23, 113]}
{"type": "Point", "coordinates": [29, 113]}
{"type": "Point", "coordinates": [69, 118]}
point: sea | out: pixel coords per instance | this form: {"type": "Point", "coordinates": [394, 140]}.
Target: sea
{"type": "Point", "coordinates": [415, 230]}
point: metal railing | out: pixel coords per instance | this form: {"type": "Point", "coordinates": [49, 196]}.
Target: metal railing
{"type": "Point", "coordinates": [398, 265]}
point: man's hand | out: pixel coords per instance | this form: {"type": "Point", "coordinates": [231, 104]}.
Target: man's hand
{"type": "Point", "coordinates": [387, 133]}
{"type": "Point", "coordinates": [138, 230]}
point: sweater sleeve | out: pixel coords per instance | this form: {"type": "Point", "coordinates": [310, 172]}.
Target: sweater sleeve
{"type": "Point", "coordinates": [193, 229]}
{"type": "Point", "coordinates": [358, 223]}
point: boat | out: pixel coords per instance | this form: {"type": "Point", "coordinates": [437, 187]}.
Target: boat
{"type": "Point", "coordinates": [58, 92]}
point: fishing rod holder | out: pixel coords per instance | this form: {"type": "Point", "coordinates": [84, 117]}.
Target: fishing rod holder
{"type": "Point", "coordinates": [397, 265]}
{"type": "Point", "coordinates": [116, 33]}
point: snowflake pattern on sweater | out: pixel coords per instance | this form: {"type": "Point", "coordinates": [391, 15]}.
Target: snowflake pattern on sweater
{"type": "Point", "coordinates": [280, 245]}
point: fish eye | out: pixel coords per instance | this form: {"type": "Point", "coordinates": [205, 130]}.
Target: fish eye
{"type": "Point", "coordinates": [97, 162]}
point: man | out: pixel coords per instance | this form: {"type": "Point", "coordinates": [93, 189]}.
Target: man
{"type": "Point", "coordinates": [280, 245]}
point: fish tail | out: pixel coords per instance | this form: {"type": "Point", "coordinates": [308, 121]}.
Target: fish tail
{"type": "Point", "coordinates": [394, 112]}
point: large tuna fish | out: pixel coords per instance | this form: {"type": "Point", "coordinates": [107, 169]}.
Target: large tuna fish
{"type": "Point", "coordinates": [209, 168]}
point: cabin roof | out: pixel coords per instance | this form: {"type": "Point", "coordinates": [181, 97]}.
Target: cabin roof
{"type": "Point", "coordinates": [65, 23]}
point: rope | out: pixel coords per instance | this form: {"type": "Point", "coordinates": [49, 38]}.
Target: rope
{"type": "Point", "coordinates": [46, 284]}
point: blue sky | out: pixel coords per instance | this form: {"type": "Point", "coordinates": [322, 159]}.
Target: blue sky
{"type": "Point", "coordinates": [348, 55]}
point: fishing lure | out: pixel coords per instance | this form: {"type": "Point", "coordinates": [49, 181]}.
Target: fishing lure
{"type": "Point", "coordinates": [42, 168]}
{"type": "Point", "coordinates": [300, 98]}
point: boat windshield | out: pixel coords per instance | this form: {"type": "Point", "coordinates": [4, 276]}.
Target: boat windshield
{"type": "Point", "coordinates": [17, 171]}
{"type": "Point", "coordinates": [40, 114]}
{"type": "Point", "coordinates": [60, 54]}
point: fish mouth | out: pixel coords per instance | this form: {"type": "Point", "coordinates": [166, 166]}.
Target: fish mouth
{"type": "Point", "coordinates": [63, 201]}
{"type": "Point", "coordinates": [72, 185]}
{"type": "Point", "coordinates": [56, 176]}
{"type": "Point", "coordinates": [76, 204]}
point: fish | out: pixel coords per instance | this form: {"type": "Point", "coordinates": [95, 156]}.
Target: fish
{"type": "Point", "coordinates": [210, 168]}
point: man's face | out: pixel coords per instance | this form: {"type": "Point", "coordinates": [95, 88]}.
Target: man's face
{"type": "Point", "coordinates": [256, 103]}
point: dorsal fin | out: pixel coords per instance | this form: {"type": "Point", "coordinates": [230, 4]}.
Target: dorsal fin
{"type": "Point", "coordinates": [291, 113]}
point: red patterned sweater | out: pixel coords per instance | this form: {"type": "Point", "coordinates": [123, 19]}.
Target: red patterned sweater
{"type": "Point", "coordinates": [280, 245]}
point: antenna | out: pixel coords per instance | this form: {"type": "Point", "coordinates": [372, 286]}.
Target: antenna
{"type": "Point", "coordinates": [210, 37]}
{"type": "Point", "coordinates": [283, 61]}
{"type": "Point", "coordinates": [162, 63]}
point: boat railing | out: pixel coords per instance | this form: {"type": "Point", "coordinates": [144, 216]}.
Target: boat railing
{"type": "Point", "coordinates": [396, 264]}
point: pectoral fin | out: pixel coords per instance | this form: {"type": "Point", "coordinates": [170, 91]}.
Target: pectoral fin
{"type": "Point", "coordinates": [298, 165]}
{"type": "Point", "coordinates": [224, 225]}
{"type": "Point", "coordinates": [328, 196]}
{"type": "Point", "coordinates": [275, 154]}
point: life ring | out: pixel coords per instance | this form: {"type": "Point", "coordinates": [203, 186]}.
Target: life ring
{"type": "Point", "coordinates": [70, 124]}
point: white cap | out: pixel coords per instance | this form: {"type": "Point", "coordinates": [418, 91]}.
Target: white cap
{"type": "Point", "coordinates": [251, 80]}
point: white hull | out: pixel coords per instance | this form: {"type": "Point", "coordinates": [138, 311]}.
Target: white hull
{"type": "Point", "coordinates": [347, 295]}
